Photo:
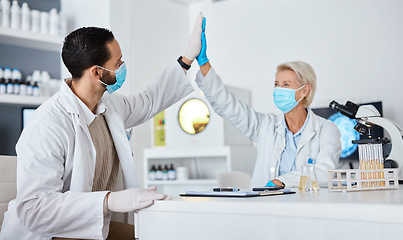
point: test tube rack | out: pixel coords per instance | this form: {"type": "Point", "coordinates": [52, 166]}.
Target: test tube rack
{"type": "Point", "coordinates": [357, 180]}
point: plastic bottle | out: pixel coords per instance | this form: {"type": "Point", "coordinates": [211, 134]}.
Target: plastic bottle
{"type": "Point", "coordinates": [25, 17]}
{"type": "Point", "coordinates": [308, 181]}
{"type": "Point", "coordinates": [35, 21]}
{"type": "Point", "coordinates": [171, 173]}
{"type": "Point", "coordinates": [2, 82]}
{"type": "Point", "coordinates": [5, 6]}
{"type": "Point", "coordinates": [9, 80]}
{"type": "Point", "coordinates": [28, 84]}
{"type": "Point", "coordinates": [53, 22]}
{"type": "Point", "coordinates": [45, 83]}
{"type": "Point", "coordinates": [44, 23]}
{"type": "Point", "coordinates": [16, 81]}
{"type": "Point", "coordinates": [15, 15]}
{"type": "Point", "coordinates": [152, 173]}
{"type": "Point", "coordinates": [62, 24]}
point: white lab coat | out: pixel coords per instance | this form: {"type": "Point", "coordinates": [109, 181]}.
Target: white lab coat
{"type": "Point", "coordinates": [320, 139]}
{"type": "Point", "coordinates": [56, 161]}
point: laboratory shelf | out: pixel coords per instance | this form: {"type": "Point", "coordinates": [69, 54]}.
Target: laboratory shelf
{"type": "Point", "coordinates": [183, 182]}
{"type": "Point", "coordinates": [20, 99]}
{"type": "Point", "coordinates": [19, 38]}
{"type": "Point", "coordinates": [164, 152]}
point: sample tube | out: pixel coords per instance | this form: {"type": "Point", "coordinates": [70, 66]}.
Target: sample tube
{"type": "Point", "coordinates": [361, 155]}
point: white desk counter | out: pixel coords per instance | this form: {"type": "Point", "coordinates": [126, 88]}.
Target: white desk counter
{"type": "Point", "coordinates": [323, 215]}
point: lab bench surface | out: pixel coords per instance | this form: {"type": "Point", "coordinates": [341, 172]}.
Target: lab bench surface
{"type": "Point", "coordinates": [323, 215]}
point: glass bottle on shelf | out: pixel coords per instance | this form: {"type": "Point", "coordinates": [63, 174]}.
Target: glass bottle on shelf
{"type": "Point", "coordinates": [165, 173]}
{"type": "Point", "coordinates": [9, 80]}
{"type": "Point", "coordinates": [152, 173]}
{"type": "Point", "coordinates": [2, 82]}
{"type": "Point", "coordinates": [35, 89]}
{"type": "Point", "coordinates": [158, 173]}
{"type": "Point", "coordinates": [28, 84]}
{"type": "Point", "coordinates": [171, 172]}
{"type": "Point", "coordinates": [16, 81]}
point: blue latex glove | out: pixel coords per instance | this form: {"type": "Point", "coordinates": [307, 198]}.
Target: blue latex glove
{"type": "Point", "coordinates": [270, 184]}
{"type": "Point", "coordinates": [202, 58]}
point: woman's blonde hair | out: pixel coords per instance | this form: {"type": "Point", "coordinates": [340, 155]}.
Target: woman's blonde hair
{"type": "Point", "coordinates": [305, 74]}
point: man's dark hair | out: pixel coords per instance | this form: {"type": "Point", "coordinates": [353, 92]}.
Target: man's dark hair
{"type": "Point", "coordinates": [84, 48]}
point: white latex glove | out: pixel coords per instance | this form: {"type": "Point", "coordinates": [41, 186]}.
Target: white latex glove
{"type": "Point", "coordinates": [133, 199]}
{"type": "Point", "coordinates": [194, 44]}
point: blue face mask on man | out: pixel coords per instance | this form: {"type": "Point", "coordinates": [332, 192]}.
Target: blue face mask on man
{"type": "Point", "coordinates": [284, 98]}
{"type": "Point", "coordinates": [120, 75]}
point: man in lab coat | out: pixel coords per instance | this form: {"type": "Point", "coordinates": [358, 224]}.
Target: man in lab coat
{"type": "Point", "coordinates": [70, 154]}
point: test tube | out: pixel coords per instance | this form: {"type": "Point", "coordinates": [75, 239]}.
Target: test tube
{"type": "Point", "coordinates": [362, 162]}
{"type": "Point", "coordinates": [382, 174]}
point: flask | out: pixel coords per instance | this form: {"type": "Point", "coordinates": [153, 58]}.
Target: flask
{"type": "Point", "coordinates": [5, 7]}
{"type": "Point", "coordinates": [2, 82]}
{"type": "Point", "coordinates": [25, 17]}
{"type": "Point", "coordinates": [16, 81]}
{"type": "Point", "coordinates": [53, 22]}
{"type": "Point", "coordinates": [308, 181]}
{"type": "Point", "coordinates": [312, 175]}
{"type": "Point", "coordinates": [8, 80]}
{"type": "Point", "coordinates": [35, 21]}
{"type": "Point", "coordinates": [44, 23]}
{"type": "Point", "coordinates": [15, 15]}
{"type": "Point", "coordinates": [28, 84]}
{"type": "Point", "coordinates": [152, 173]}
{"type": "Point", "coordinates": [171, 172]}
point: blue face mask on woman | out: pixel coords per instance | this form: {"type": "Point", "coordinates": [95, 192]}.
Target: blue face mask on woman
{"type": "Point", "coordinates": [120, 75]}
{"type": "Point", "coordinates": [284, 98]}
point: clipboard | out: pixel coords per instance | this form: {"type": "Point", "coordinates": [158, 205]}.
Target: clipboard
{"type": "Point", "coordinates": [241, 194]}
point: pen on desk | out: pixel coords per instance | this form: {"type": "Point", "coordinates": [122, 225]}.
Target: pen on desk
{"type": "Point", "coordinates": [225, 189]}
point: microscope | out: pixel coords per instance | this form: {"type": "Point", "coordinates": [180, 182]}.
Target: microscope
{"type": "Point", "coordinates": [367, 116]}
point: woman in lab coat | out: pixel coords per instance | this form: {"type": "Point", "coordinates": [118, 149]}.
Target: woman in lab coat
{"type": "Point", "coordinates": [285, 141]}
{"type": "Point", "coordinates": [58, 154]}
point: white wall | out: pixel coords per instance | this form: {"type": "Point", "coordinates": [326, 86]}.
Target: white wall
{"type": "Point", "coordinates": [355, 47]}
{"type": "Point", "coordinates": [160, 36]}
